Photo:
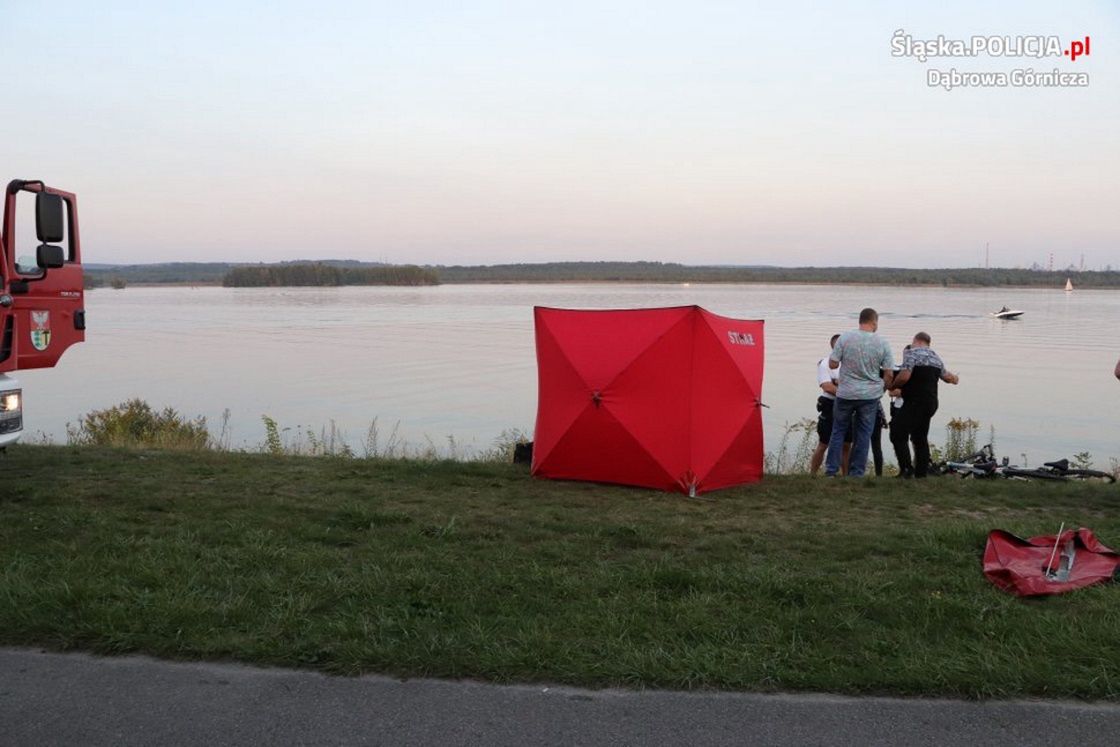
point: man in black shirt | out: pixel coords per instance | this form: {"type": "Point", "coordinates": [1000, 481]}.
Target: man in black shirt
{"type": "Point", "coordinates": [916, 383]}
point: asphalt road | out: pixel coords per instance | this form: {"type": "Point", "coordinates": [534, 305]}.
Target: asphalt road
{"type": "Point", "coordinates": [75, 699]}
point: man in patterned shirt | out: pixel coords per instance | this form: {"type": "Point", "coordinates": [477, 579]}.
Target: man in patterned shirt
{"type": "Point", "coordinates": [865, 364]}
{"type": "Point", "coordinates": [916, 382]}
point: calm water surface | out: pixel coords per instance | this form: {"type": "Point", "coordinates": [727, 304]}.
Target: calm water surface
{"type": "Point", "coordinates": [459, 360]}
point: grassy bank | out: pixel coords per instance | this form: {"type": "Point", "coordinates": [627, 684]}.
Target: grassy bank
{"type": "Point", "coordinates": [477, 570]}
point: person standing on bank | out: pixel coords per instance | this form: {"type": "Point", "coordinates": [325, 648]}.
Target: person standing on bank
{"type": "Point", "coordinates": [866, 371]}
{"type": "Point", "coordinates": [877, 440]}
{"type": "Point", "coordinates": [916, 383]}
{"type": "Point", "coordinates": [897, 427]}
{"type": "Point", "coordinates": [826, 399]}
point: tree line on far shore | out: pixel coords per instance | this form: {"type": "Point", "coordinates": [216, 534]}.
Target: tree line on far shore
{"type": "Point", "coordinates": [317, 273]}
{"type": "Point", "coordinates": [351, 272]}
{"type": "Point", "coordinates": [670, 272]}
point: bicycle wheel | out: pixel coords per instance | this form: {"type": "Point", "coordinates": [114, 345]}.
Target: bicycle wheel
{"type": "Point", "coordinates": [959, 470]}
{"type": "Point", "coordinates": [1090, 474]}
{"type": "Point", "coordinates": [1031, 474]}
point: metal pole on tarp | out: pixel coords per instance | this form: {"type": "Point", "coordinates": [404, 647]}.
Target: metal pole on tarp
{"type": "Point", "coordinates": [1050, 562]}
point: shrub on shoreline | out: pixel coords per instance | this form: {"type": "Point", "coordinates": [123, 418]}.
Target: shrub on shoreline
{"type": "Point", "coordinates": [136, 424]}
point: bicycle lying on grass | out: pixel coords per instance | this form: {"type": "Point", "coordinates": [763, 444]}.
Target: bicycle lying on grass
{"type": "Point", "coordinates": [983, 464]}
{"type": "Point", "coordinates": [1062, 469]}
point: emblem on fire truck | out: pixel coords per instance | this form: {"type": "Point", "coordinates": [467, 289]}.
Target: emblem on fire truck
{"type": "Point", "coordinates": [40, 329]}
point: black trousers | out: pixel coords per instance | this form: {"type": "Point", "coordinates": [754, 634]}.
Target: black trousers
{"type": "Point", "coordinates": [910, 424]}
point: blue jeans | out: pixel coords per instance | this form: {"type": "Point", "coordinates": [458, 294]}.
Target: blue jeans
{"type": "Point", "coordinates": [864, 411]}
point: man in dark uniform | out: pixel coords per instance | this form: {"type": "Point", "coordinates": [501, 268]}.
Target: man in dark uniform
{"type": "Point", "coordinates": [826, 402]}
{"type": "Point", "coordinates": [916, 383]}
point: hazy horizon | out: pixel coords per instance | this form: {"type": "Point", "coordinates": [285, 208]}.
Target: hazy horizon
{"type": "Point", "coordinates": [437, 133]}
{"type": "Point", "coordinates": [754, 265]}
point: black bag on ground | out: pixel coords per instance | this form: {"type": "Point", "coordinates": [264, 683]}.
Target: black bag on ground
{"type": "Point", "coordinates": [523, 452]}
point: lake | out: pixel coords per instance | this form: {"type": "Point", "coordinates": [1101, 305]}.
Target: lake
{"type": "Point", "coordinates": [458, 361]}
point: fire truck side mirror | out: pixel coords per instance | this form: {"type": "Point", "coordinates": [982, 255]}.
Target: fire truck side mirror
{"type": "Point", "coordinates": [50, 257]}
{"type": "Point", "coordinates": [50, 224]}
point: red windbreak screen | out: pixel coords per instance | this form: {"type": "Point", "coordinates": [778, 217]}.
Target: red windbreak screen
{"type": "Point", "coordinates": [665, 398]}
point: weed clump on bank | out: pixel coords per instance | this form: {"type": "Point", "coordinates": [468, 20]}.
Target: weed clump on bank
{"type": "Point", "coordinates": [136, 424]}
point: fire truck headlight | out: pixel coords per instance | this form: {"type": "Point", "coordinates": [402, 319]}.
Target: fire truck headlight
{"type": "Point", "coordinates": [11, 402]}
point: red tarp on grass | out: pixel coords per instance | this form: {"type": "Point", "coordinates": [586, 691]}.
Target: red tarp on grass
{"type": "Point", "coordinates": [661, 398]}
{"type": "Point", "coordinates": [1020, 566]}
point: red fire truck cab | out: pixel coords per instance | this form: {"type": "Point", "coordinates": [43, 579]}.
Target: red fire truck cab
{"type": "Point", "coordinates": [42, 302]}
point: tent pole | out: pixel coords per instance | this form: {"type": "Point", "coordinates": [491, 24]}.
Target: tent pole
{"type": "Point", "coordinates": [1050, 562]}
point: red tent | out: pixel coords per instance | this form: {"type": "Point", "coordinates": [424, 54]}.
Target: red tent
{"type": "Point", "coordinates": [1048, 564]}
{"type": "Point", "coordinates": [662, 398]}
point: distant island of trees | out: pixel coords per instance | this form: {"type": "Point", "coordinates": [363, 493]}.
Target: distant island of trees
{"type": "Point", "coordinates": [352, 272]}
{"type": "Point", "coordinates": [319, 273]}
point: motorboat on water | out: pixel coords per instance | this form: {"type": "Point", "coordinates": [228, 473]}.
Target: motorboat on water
{"type": "Point", "coordinates": [1006, 313]}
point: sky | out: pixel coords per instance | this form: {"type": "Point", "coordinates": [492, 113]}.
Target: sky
{"type": "Point", "coordinates": [483, 132]}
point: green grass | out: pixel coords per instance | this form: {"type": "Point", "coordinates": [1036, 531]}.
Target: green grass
{"type": "Point", "coordinates": [477, 570]}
